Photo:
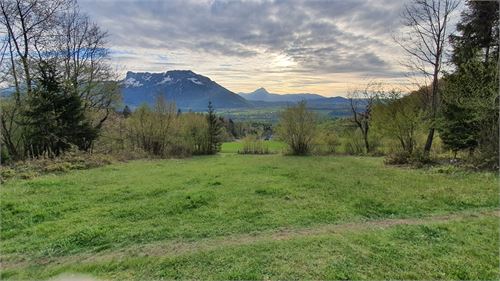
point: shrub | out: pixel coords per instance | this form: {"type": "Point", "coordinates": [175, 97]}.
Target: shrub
{"type": "Point", "coordinates": [155, 130]}
{"type": "Point", "coordinates": [254, 145]}
{"type": "Point", "coordinates": [417, 159]}
{"type": "Point", "coordinates": [397, 158]}
{"type": "Point", "coordinates": [326, 143]}
{"type": "Point", "coordinates": [297, 128]}
{"type": "Point", "coordinates": [6, 173]}
{"type": "Point", "coordinates": [353, 143]}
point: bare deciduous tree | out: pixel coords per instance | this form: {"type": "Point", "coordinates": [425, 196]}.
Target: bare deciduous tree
{"type": "Point", "coordinates": [425, 42]}
{"type": "Point", "coordinates": [28, 22]}
{"type": "Point", "coordinates": [81, 45]}
{"type": "Point", "coordinates": [362, 102]}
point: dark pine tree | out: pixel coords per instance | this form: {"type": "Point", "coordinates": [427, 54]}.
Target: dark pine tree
{"type": "Point", "coordinates": [55, 117]}
{"type": "Point", "coordinates": [458, 128]}
{"type": "Point", "coordinates": [471, 99]}
{"type": "Point", "coordinates": [478, 33]}
{"type": "Point", "coordinates": [126, 111]}
{"type": "Point", "coordinates": [214, 138]}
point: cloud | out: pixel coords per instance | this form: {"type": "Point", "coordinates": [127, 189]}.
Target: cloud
{"type": "Point", "coordinates": [255, 39]}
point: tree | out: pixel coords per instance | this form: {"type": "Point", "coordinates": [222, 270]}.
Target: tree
{"type": "Point", "coordinates": [297, 128]}
{"type": "Point", "coordinates": [214, 131]}
{"type": "Point", "coordinates": [194, 131]}
{"type": "Point", "coordinates": [126, 111]}
{"type": "Point", "coordinates": [362, 102]}
{"type": "Point", "coordinates": [458, 128]}
{"type": "Point", "coordinates": [470, 109]}
{"type": "Point", "coordinates": [156, 130]}
{"type": "Point", "coordinates": [470, 99]}
{"type": "Point", "coordinates": [81, 50]}
{"type": "Point", "coordinates": [55, 118]}
{"type": "Point", "coordinates": [40, 31]}
{"type": "Point", "coordinates": [399, 117]}
{"type": "Point", "coordinates": [478, 33]}
{"type": "Point", "coordinates": [28, 26]}
{"type": "Point", "coordinates": [425, 41]}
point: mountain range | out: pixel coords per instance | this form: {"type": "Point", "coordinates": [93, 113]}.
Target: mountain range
{"type": "Point", "coordinates": [191, 91]}
{"type": "Point", "coordinates": [186, 88]}
{"type": "Point", "coordinates": [262, 94]}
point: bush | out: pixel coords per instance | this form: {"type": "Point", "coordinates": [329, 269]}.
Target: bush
{"type": "Point", "coordinates": [398, 158]}
{"type": "Point", "coordinates": [6, 173]}
{"type": "Point", "coordinates": [297, 128]}
{"type": "Point", "coordinates": [353, 143]}
{"type": "Point", "coordinates": [417, 159]}
{"type": "Point", "coordinates": [73, 160]}
{"type": "Point", "coordinates": [254, 145]}
{"type": "Point", "coordinates": [326, 143]}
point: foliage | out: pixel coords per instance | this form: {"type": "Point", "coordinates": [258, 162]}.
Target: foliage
{"type": "Point", "coordinates": [470, 115]}
{"type": "Point", "coordinates": [424, 40]}
{"type": "Point", "coordinates": [55, 33]}
{"type": "Point", "coordinates": [471, 98]}
{"type": "Point", "coordinates": [236, 146]}
{"type": "Point", "coordinates": [214, 132]}
{"type": "Point", "coordinates": [72, 160]}
{"type": "Point", "coordinates": [399, 118]}
{"type": "Point", "coordinates": [195, 132]}
{"type": "Point", "coordinates": [297, 128]}
{"type": "Point", "coordinates": [54, 117]}
{"type": "Point", "coordinates": [478, 33]}
{"type": "Point", "coordinates": [126, 111]}
{"type": "Point", "coordinates": [157, 131]}
{"type": "Point", "coordinates": [254, 145]}
{"type": "Point", "coordinates": [12, 130]}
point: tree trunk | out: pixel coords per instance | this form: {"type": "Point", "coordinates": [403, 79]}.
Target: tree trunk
{"type": "Point", "coordinates": [434, 105]}
{"type": "Point", "coordinates": [367, 145]}
{"type": "Point", "coordinates": [428, 142]}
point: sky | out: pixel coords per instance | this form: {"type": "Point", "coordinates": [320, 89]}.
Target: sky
{"type": "Point", "coordinates": [328, 47]}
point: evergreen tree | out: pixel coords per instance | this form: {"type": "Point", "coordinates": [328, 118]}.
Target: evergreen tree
{"type": "Point", "coordinates": [126, 111]}
{"type": "Point", "coordinates": [470, 114]}
{"type": "Point", "coordinates": [470, 100]}
{"type": "Point", "coordinates": [55, 117]}
{"type": "Point", "coordinates": [458, 128]}
{"type": "Point", "coordinates": [214, 132]}
{"type": "Point", "coordinates": [478, 31]}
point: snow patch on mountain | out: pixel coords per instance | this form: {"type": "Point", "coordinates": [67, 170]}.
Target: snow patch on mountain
{"type": "Point", "coordinates": [194, 80]}
{"type": "Point", "coordinates": [132, 82]}
{"type": "Point", "coordinates": [167, 79]}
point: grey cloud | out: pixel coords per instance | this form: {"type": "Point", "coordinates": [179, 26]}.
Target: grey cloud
{"type": "Point", "coordinates": [306, 31]}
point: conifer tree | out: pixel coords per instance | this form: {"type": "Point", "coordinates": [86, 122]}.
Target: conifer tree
{"type": "Point", "coordinates": [214, 132]}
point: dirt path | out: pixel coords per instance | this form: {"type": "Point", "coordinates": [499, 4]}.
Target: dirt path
{"type": "Point", "coordinates": [176, 248]}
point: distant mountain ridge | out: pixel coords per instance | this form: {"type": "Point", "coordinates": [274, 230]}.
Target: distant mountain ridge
{"type": "Point", "coordinates": [191, 91]}
{"type": "Point", "coordinates": [184, 87]}
{"type": "Point", "coordinates": [262, 94]}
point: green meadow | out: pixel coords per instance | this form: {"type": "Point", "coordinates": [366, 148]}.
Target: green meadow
{"type": "Point", "coordinates": [233, 216]}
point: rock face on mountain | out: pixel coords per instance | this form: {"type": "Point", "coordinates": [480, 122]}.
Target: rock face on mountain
{"type": "Point", "coordinates": [184, 87]}
{"type": "Point", "coordinates": [262, 94]}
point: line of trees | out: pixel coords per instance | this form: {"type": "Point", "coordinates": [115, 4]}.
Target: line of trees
{"type": "Point", "coordinates": [166, 132]}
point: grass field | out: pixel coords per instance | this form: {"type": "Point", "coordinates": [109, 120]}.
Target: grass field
{"type": "Point", "coordinates": [234, 216]}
